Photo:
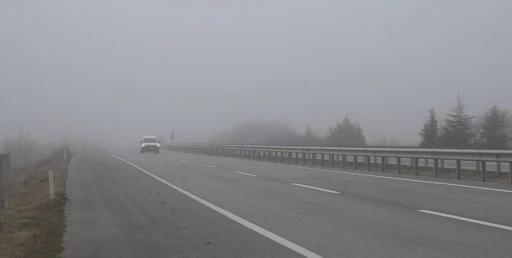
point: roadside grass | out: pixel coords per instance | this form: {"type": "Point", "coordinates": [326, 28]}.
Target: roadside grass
{"type": "Point", "coordinates": [31, 225]}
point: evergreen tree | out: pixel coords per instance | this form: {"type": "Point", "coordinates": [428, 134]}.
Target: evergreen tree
{"type": "Point", "coordinates": [495, 129]}
{"type": "Point", "coordinates": [429, 132]}
{"type": "Point", "coordinates": [346, 133]}
{"type": "Point", "coordinates": [311, 138]}
{"type": "Point", "coordinates": [458, 131]}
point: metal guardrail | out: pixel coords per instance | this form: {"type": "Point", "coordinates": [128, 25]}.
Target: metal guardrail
{"type": "Point", "coordinates": [305, 155]}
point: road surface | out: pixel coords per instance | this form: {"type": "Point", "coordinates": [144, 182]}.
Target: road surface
{"type": "Point", "coordinates": [127, 204]}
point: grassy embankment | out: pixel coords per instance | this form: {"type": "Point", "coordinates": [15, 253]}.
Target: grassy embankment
{"type": "Point", "coordinates": [31, 225]}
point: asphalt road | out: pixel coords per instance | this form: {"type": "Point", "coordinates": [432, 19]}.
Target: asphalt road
{"type": "Point", "coordinates": [182, 205]}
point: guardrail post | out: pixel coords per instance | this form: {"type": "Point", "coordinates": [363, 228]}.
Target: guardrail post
{"type": "Point", "coordinates": [368, 163]}
{"type": "Point", "coordinates": [304, 158]}
{"type": "Point", "coordinates": [313, 159]}
{"type": "Point", "coordinates": [457, 169]}
{"type": "Point", "coordinates": [343, 161]}
{"type": "Point", "coordinates": [355, 162]}
{"type": "Point", "coordinates": [510, 172]}
{"type": "Point", "coordinates": [331, 157]}
{"type": "Point", "coordinates": [442, 164]}
{"type": "Point", "coordinates": [398, 165]}
{"type": "Point", "coordinates": [282, 157]}
{"type": "Point", "coordinates": [296, 158]}
{"type": "Point", "coordinates": [382, 164]}
{"type": "Point", "coordinates": [289, 157]}
{"type": "Point", "coordinates": [436, 168]}
{"type": "Point", "coordinates": [484, 172]}
{"type": "Point", "coordinates": [323, 160]}
{"type": "Point", "coordinates": [498, 168]}
{"type": "Point", "coordinates": [416, 166]}
{"type": "Point", "coordinates": [426, 164]}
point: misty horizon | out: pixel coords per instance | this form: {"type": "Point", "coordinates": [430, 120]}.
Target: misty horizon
{"type": "Point", "coordinates": [115, 71]}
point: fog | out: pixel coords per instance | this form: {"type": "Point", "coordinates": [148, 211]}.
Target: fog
{"type": "Point", "coordinates": [114, 71]}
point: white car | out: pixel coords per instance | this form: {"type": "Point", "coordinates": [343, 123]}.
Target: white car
{"type": "Point", "coordinates": [149, 144]}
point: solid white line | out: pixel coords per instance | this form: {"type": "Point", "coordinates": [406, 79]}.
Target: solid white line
{"type": "Point", "coordinates": [316, 188]}
{"type": "Point", "coordinates": [466, 219]}
{"type": "Point", "coordinates": [186, 161]}
{"type": "Point", "coordinates": [299, 249]}
{"type": "Point", "coordinates": [247, 174]}
{"type": "Point", "coordinates": [375, 176]}
{"type": "Point", "coordinates": [207, 165]}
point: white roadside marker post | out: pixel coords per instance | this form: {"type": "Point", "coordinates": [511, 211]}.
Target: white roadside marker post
{"type": "Point", "coordinates": [50, 180]}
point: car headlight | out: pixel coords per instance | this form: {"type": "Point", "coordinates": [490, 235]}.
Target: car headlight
{"type": "Point", "coordinates": [158, 145]}
{"type": "Point", "coordinates": [143, 145]}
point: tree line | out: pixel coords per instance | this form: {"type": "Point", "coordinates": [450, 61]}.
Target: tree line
{"type": "Point", "coordinates": [346, 133]}
{"type": "Point", "coordinates": [492, 130]}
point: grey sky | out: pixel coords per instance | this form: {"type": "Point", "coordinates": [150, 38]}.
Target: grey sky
{"type": "Point", "coordinates": [102, 68]}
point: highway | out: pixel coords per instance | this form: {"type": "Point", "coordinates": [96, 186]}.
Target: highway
{"type": "Point", "coordinates": [127, 204]}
